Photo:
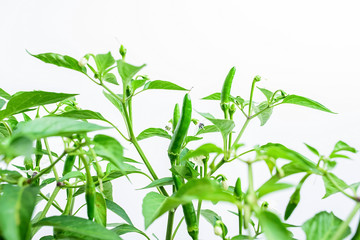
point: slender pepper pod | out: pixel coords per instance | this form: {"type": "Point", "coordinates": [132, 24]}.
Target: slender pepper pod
{"type": "Point", "coordinates": [90, 198]}
{"type": "Point", "coordinates": [69, 163]}
{"type": "Point", "coordinates": [181, 130]}
{"type": "Point", "coordinates": [38, 154]}
{"type": "Point", "coordinates": [237, 189]}
{"type": "Point", "coordinates": [225, 92]}
{"type": "Point", "coordinates": [176, 117]}
{"type": "Point", "coordinates": [189, 212]}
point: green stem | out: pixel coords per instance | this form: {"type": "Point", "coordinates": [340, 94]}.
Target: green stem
{"type": "Point", "coordinates": [241, 132]}
{"type": "Point", "coordinates": [177, 228]}
{"type": "Point", "coordinates": [170, 224]}
{"type": "Point", "coordinates": [49, 203]}
{"type": "Point", "coordinates": [240, 216]}
{"type": "Point", "coordinates": [345, 224]}
{"type": "Point", "coordinates": [198, 212]}
{"type": "Point", "coordinates": [69, 193]}
{"type": "Point", "coordinates": [54, 205]}
{"type": "Point", "coordinates": [51, 159]}
{"type": "Point", "coordinates": [49, 167]}
{"type": "Point", "coordinates": [251, 95]}
{"type": "Point", "coordinates": [117, 129]}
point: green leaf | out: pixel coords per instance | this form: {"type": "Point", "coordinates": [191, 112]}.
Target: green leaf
{"type": "Point", "coordinates": [110, 149]}
{"type": "Point", "coordinates": [112, 206]}
{"type": "Point", "coordinates": [154, 204]}
{"type": "Point", "coordinates": [152, 132]}
{"type": "Point", "coordinates": [108, 190]}
{"type": "Point", "coordinates": [269, 187]}
{"type": "Point", "coordinates": [74, 174]}
{"type": "Point", "coordinates": [160, 182]}
{"type": "Point", "coordinates": [100, 209]}
{"type": "Point", "coordinates": [151, 203]}
{"type": "Point", "coordinates": [191, 139]}
{"type": "Point", "coordinates": [127, 71]}
{"type": "Point", "coordinates": [159, 84]}
{"type": "Point", "coordinates": [114, 101]}
{"type": "Point", "coordinates": [4, 94]}
{"type": "Point", "coordinates": [83, 114]}
{"type": "Point", "coordinates": [54, 126]}
{"type": "Point", "coordinates": [331, 188]}
{"type": "Point", "coordinates": [111, 78]}
{"type": "Point", "coordinates": [21, 101]}
{"type": "Point", "coordinates": [2, 103]}
{"type": "Point", "coordinates": [208, 129]}
{"type": "Point", "coordinates": [225, 126]}
{"type": "Point", "coordinates": [306, 102]}
{"type": "Point", "coordinates": [268, 94]}
{"type": "Point", "coordinates": [61, 61]}
{"type": "Point", "coordinates": [187, 171]}
{"type": "Point", "coordinates": [342, 146]}
{"type": "Point", "coordinates": [265, 115]}
{"type": "Point", "coordinates": [16, 207]}
{"type": "Point", "coordinates": [104, 61]}
{"type": "Point", "coordinates": [126, 228]}
{"type": "Point", "coordinates": [214, 96]}
{"type": "Point", "coordinates": [210, 216]}
{"type": "Point", "coordinates": [204, 150]}
{"type": "Point", "coordinates": [16, 146]}
{"type": "Point", "coordinates": [272, 226]}
{"type": "Point", "coordinates": [312, 149]}
{"type": "Point", "coordinates": [135, 84]}
{"type": "Point", "coordinates": [276, 151]}
{"type": "Point", "coordinates": [323, 226]}
{"type": "Point", "coordinates": [78, 227]}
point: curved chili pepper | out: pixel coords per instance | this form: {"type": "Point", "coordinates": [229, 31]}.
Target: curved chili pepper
{"type": "Point", "coordinates": [176, 116]}
{"type": "Point", "coordinates": [69, 163]}
{"type": "Point", "coordinates": [225, 92]}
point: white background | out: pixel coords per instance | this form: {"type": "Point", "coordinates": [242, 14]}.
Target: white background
{"type": "Point", "coordinates": [309, 48]}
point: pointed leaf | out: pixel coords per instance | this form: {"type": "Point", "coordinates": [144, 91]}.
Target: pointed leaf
{"type": "Point", "coordinates": [104, 61]}
{"type": "Point", "coordinates": [111, 78]}
{"type": "Point", "coordinates": [225, 126]}
{"type": "Point", "coordinates": [312, 149]}
{"type": "Point", "coordinates": [112, 206]}
{"type": "Point", "coordinates": [60, 60]}
{"type": "Point", "coordinates": [265, 114]}
{"type": "Point", "coordinates": [79, 227]}
{"type": "Point", "coordinates": [208, 129]}
{"type": "Point", "coordinates": [268, 94]}
{"type": "Point", "coordinates": [127, 71]}
{"type": "Point", "coordinates": [272, 226]}
{"type": "Point", "coordinates": [342, 146]}
{"type": "Point", "coordinates": [114, 101]}
{"type": "Point", "coordinates": [24, 100]}
{"type": "Point", "coordinates": [203, 150]}
{"type": "Point", "coordinates": [306, 102]}
{"type": "Point", "coordinates": [4, 94]}
{"type": "Point", "coordinates": [152, 132]}
{"type": "Point", "coordinates": [269, 187]}
{"type": "Point", "coordinates": [331, 183]}
{"type": "Point", "coordinates": [82, 114]}
{"type": "Point", "coordinates": [165, 85]}
{"type": "Point", "coordinates": [214, 96]}
{"type": "Point", "coordinates": [74, 174]}
{"type": "Point", "coordinates": [323, 226]}
{"type": "Point", "coordinates": [54, 126]}
{"type": "Point", "coordinates": [100, 209]}
{"type": "Point", "coordinates": [126, 228]}
{"type": "Point", "coordinates": [16, 207]}
{"type": "Point", "coordinates": [160, 182]}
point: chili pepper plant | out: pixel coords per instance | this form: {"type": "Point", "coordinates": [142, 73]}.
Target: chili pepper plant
{"type": "Point", "coordinates": [89, 160]}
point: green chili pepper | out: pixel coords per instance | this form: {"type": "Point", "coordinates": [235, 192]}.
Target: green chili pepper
{"type": "Point", "coordinates": [176, 116]}
{"type": "Point", "coordinates": [180, 130]}
{"type": "Point", "coordinates": [90, 198]}
{"type": "Point", "coordinates": [38, 154]}
{"type": "Point", "coordinates": [189, 213]}
{"type": "Point", "coordinates": [69, 163]}
{"type": "Point", "coordinates": [237, 189]}
{"type": "Point", "coordinates": [225, 92]}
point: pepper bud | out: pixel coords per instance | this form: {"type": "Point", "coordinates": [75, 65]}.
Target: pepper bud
{"type": "Point", "coordinates": [122, 51]}
{"type": "Point", "coordinates": [225, 184]}
{"type": "Point", "coordinates": [218, 230]}
{"type": "Point", "coordinates": [83, 61]}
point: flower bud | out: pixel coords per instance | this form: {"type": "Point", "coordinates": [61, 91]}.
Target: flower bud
{"type": "Point", "coordinates": [225, 184]}
{"type": "Point", "coordinates": [218, 230]}
{"type": "Point", "coordinates": [83, 61]}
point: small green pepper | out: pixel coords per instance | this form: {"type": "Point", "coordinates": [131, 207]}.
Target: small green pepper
{"type": "Point", "coordinates": [38, 154]}
{"type": "Point", "coordinates": [176, 117]}
{"type": "Point", "coordinates": [225, 92]}
{"type": "Point", "coordinates": [180, 131]}
{"type": "Point", "coordinates": [90, 198]}
{"type": "Point", "coordinates": [69, 163]}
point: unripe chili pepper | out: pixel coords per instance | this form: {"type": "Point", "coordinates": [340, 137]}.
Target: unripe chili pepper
{"type": "Point", "coordinates": [90, 198]}
{"type": "Point", "coordinates": [69, 163]}
{"type": "Point", "coordinates": [295, 198]}
{"type": "Point", "coordinates": [232, 111]}
{"type": "Point", "coordinates": [180, 130]}
{"type": "Point", "coordinates": [38, 154]}
{"type": "Point", "coordinates": [225, 92]}
{"type": "Point", "coordinates": [189, 213]}
{"type": "Point", "coordinates": [237, 189]}
{"type": "Point", "coordinates": [176, 117]}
